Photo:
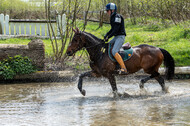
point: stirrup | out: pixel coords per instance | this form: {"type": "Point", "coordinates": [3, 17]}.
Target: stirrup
{"type": "Point", "coordinates": [123, 71]}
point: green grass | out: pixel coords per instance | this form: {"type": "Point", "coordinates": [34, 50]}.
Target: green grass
{"type": "Point", "coordinates": [175, 39]}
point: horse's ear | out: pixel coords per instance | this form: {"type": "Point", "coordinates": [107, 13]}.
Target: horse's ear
{"type": "Point", "coordinates": [77, 29]}
{"type": "Point", "coordinates": [74, 30]}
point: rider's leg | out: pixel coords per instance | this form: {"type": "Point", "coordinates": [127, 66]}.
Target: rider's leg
{"type": "Point", "coordinates": [121, 63]}
{"type": "Point", "coordinates": [119, 40]}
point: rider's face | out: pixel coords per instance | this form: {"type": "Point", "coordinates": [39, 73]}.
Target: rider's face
{"type": "Point", "coordinates": [109, 12]}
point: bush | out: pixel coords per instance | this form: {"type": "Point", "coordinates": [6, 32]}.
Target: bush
{"type": "Point", "coordinates": [15, 66]}
{"type": "Point", "coordinates": [186, 33]}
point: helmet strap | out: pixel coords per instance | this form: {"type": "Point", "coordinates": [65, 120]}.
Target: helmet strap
{"type": "Point", "coordinates": [112, 12]}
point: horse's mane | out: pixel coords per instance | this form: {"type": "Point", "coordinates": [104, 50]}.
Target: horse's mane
{"type": "Point", "coordinates": [93, 37]}
{"type": "Point", "coordinates": [95, 43]}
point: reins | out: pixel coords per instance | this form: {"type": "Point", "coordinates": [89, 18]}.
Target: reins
{"type": "Point", "coordinates": [88, 47]}
{"type": "Point", "coordinates": [92, 45]}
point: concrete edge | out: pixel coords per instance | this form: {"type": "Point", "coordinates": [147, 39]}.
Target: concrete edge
{"type": "Point", "coordinates": [68, 76]}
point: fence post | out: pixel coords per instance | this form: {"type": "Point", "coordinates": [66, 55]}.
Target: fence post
{"type": "Point", "coordinates": [27, 29]}
{"type": "Point", "coordinates": [84, 14]}
{"type": "Point", "coordinates": [43, 30]}
{"type": "Point", "coordinates": [47, 31]}
{"type": "Point", "coordinates": [61, 23]}
{"type": "Point", "coordinates": [33, 29]}
{"type": "Point", "coordinates": [12, 28]}
{"type": "Point", "coordinates": [7, 24]}
{"type": "Point", "coordinates": [22, 28]}
{"type": "Point", "coordinates": [38, 29]}
{"type": "Point", "coordinates": [64, 23]}
{"type": "Point", "coordinates": [17, 26]}
{"type": "Point", "coordinates": [58, 22]}
{"type": "Point", "coordinates": [2, 23]}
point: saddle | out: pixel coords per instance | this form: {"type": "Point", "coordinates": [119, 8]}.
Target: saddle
{"type": "Point", "coordinates": [126, 52]}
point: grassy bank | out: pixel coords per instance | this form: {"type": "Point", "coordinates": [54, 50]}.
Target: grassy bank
{"type": "Point", "coordinates": [175, 39]}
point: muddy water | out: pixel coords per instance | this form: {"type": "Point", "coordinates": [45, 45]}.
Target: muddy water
{"type": "Point", "coordinates": [61, 104]}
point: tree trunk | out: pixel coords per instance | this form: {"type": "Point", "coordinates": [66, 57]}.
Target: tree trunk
{"type": "Point", "coordinates": [86, 14]}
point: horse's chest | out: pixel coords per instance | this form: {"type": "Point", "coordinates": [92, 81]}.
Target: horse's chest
{"type": "Point", "coordinates": [95, 67]}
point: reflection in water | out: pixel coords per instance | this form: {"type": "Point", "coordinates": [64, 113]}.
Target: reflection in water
{"type": "Point", "coordinates": [62, 104]}
{"type": "Point", "coordinates": [113, 115]}
{"type": "Point", "coordinates": [161, 114]}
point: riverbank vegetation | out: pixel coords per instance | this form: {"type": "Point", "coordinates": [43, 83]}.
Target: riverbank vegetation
{"type": "Point", "coordinates": [16, 65]}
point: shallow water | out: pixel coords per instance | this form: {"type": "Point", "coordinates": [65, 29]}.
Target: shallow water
{"type": "Point", "coordinates": [61, 104]}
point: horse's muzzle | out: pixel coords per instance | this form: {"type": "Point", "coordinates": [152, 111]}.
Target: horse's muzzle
{"type": "Point", "coordinates": [69, 53]}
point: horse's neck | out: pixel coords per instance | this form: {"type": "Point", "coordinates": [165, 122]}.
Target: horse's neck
{"type": "Point", "coordinates": [93, 48]}
{"type": "Point", "coordinates": [95, 54]}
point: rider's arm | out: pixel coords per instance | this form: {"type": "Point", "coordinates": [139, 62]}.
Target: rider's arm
{"type": "Point", "coordinates": [114, 30]}
{"type": "Point", "coordinates": [115, 26]}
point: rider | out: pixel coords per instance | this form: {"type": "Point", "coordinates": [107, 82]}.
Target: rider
{"type": "Point", "coordinates": [118, 31]}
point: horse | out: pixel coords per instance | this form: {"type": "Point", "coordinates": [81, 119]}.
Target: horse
{"type": "Point", "coordinates": [146, 57]}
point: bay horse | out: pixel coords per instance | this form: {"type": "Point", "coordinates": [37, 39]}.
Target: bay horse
{"type": "Point", "coordinates": [146, 57]}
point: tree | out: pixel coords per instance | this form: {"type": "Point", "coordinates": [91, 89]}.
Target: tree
{"type": "Point", "coordinates": [86, 14]}
{"type": "Point", "coordinates": [70, 9]}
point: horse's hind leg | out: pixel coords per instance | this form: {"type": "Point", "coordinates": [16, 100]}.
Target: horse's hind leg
{"type": "Point", "coordinates": [141, 85]}
{"type": "Point", "coordinates": [162, 83]}
{"type": "Point", "coordinates": [155, 74]}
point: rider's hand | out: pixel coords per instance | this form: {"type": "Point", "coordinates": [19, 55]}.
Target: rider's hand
{"type": "Point", "coordinates": [105, 45]}
{"type": "Point", "coordinates": [106, 38]}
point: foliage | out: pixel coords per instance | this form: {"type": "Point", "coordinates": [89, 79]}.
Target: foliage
{"type": "Point", "coordinates": [15, 65]}
{"type": "Point", "coordinates": [152, 27]}
{"type": "Point", "coordinates": [186, 33]}
{"type": "Point", "coordinates": [19, 9]}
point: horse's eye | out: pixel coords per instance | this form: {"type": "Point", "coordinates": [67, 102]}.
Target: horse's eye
{"type": "Point", "coordinates": [75, 40]}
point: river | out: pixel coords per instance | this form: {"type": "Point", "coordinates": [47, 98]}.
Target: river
{"type": "Point", "coordinates": [61, 104]}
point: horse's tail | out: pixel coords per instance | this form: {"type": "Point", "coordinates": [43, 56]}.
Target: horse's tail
{"type": "Point", "coordinates": [169, 64]}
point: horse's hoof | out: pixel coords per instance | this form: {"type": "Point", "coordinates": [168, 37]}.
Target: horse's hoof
{"type": "Point", "coordinates": [166, 90]}
{"type": "Point", "coordinates": [141, 85]}
{"type": "Point", "coordinates": [116, 94]}
{"type": "Point", "coordinates": [83, 92]}
{"type": "Point", "coordinates": [125, 95]}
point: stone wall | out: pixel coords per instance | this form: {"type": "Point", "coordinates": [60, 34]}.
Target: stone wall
{"type": "Point", "coordinates": [35, 50]}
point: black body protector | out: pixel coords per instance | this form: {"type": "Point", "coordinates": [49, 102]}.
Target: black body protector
{"type": "Point", "coordinates": [117, 25]}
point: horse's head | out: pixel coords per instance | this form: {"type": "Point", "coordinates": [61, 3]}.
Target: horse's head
{"type": "Point", "coordinates": [77, 43]}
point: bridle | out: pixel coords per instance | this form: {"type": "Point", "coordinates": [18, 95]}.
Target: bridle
{"type": "Point", "coordinates": [88, 46]}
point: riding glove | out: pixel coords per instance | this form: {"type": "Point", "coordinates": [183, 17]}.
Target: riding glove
{"type": "Point", "coordinates": [106, 38]}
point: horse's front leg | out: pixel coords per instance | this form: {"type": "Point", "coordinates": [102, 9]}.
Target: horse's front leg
{"type": "Point", "coordinates": [86, 74]}
{"type": "Point", "coordinates": [112, 81]}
